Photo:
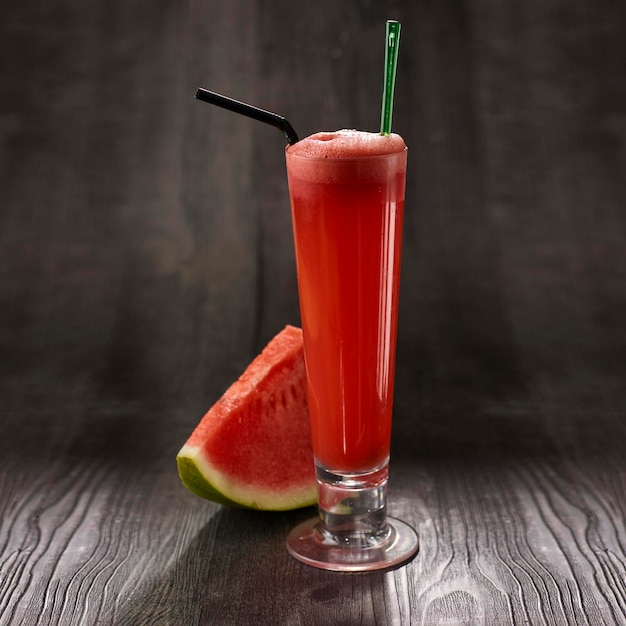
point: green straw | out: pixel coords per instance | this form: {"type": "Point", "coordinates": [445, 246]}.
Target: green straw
{"type": "Point", "coordinates": [392, 43]}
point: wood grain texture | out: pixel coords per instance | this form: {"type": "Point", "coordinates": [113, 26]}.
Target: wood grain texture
{"type": "Point", "coordinates": [146, 257]}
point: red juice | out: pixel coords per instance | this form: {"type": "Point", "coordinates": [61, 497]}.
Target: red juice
{"type": "Point", "coordinates": [347, 202]}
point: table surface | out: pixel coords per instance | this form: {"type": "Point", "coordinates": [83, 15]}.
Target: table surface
{"type": "Point", "coordinates": [146, 257]}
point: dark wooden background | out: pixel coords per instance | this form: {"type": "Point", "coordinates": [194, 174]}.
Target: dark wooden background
{"type": "Point", "coordinates": [146, 257]}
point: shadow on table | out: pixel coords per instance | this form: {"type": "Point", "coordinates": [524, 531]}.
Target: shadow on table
{"type": "Point", "coordinates": [236, 570]}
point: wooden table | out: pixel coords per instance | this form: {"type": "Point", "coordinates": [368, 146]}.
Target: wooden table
{"type": "Point", "coordinates": [146, 257]}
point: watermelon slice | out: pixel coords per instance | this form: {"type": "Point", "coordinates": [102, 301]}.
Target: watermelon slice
{"type": "Point", "coordinates": [253, 448]}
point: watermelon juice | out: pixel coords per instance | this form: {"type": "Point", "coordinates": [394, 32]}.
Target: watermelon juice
{"type": "Point", "coordinates": [347, 201]}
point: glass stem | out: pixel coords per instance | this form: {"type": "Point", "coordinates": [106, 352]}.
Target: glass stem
{"type": "Point", "coordinates": [352, 509]}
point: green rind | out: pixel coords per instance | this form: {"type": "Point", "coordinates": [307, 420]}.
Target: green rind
{"type": "Point", "coordinates": [193, 479]}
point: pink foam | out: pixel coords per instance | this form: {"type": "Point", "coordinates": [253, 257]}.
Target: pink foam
{"type": "Point", "coordinates": [346, 156]}
{"type": "Point", "coordinates": [343, 144]}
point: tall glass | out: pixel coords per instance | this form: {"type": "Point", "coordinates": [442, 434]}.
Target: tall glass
{"type": "Point", "coordinates": [347, 202]}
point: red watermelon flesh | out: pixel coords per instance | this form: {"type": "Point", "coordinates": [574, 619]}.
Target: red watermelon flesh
{"type": "Point", "coordinates": [253, 447]}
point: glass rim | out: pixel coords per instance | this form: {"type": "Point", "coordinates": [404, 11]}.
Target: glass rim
{"type": "Point", "coordinates": [346, 159]}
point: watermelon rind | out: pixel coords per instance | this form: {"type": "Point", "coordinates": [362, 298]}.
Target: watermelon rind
{"type": "Point", "coordinates": [196, 483]}
{"type": "Point", "coordinates": [205, 481]}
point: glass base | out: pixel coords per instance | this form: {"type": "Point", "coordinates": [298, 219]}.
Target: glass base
{"type": "Point", "coordinates": [352, 532]}
{"type": "Point", "coordinates": [309, 543]}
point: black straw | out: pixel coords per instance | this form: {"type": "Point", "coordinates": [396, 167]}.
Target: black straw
{"type": "Point", "coordinates": [250, 111]}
